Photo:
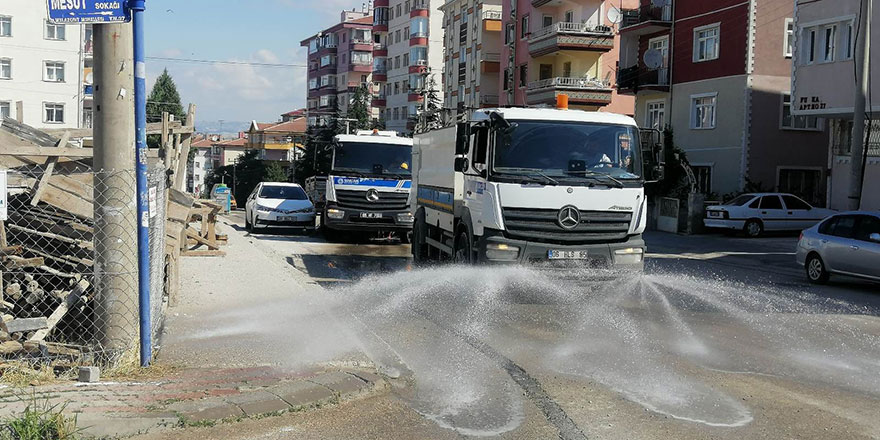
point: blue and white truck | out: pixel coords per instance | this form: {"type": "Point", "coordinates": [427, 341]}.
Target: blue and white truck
{"type": "Point", "coordinates": [368, 187]}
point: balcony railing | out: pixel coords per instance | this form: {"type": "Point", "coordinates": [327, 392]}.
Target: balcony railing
{"type": "Point", "coordinates": [646, 13]}
{"type": "Point", "coordinates": [572, 28]}
{"type": "Point", "coordinates": [361, 41]}
{"type": "Point", "coordinates": [492, 57]}
{"type": "Point", "coordinates": [635, 77]}
{"type": "Point", "coordinates": [492, 15]}
{"type": "Point", "coordinates": [362, 62]}
{"type": "Point", "coordinates": [569, 83]}
{"type": "Point", "coordinates": [487, 99]}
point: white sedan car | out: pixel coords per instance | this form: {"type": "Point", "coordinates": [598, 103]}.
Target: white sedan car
{"type": "Point", "coordinates": [756, 213]}
{"type": "Point", "coordinates": [274, 204]}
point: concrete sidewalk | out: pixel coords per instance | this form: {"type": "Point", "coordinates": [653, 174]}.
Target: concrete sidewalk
{"type": "Point", "coordinates": [191, 397]}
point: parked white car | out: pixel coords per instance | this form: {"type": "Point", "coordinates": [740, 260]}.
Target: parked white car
{"type": "Point", "coordinates": [283, 205]}
{"type": "Point", "coordinates": [756, 213]}
{"type": "Point", "coordinates": [845, 244]}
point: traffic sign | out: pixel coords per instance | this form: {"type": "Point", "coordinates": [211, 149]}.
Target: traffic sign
{"type": "Point", "coordinates": [88, 11]}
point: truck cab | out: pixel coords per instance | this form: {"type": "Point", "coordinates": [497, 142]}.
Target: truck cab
{"type": "Point", "coordinates": [369, 183]}
{"type": "Point", "coordinates": [551, 186]}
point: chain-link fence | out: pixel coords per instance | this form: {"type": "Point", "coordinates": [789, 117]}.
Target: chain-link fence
{"type": "Point", "coordinates": [69, 263]}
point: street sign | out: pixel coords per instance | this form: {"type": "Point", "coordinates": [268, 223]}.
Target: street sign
{"type": "Point", "coordinates": [88, 11]}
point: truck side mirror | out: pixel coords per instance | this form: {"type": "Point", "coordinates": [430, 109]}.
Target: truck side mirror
{"type": "Point", "coordinates": [462, 138]}
{"type": "Point", "coordinates": [461, 164]}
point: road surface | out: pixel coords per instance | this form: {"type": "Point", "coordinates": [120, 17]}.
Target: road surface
{"type": "Point", "coordinates": [721, 338]}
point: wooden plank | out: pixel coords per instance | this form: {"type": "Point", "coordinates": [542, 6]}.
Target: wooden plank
{"type": "Point", "coordinates": [26, 325]}
{"type": "Point", "coordinates": [152, 128]}
{"type": "Point", "coordinates": [70, 194]}
{"type": "Point", "coordinates": [56, 316]}
{"type": "Point", "coordinates": [12, 262]}
{"type": "Point", "coordinates": [10, 250]}
{"type": "Point", "coordinates": [10, 150]}
{"type": "Point", "coordinates": [195, 236]}
{"type": "Point", "coordinates": [185, 146]}
{"type": "Point", "coordinates": [44, 179]}
{"type": "Point", "coordinates": [81, 243]}
{"type": "Point", "coordinates": [204, 253]}
{"type": "Point", "coordinates": [3, 241]}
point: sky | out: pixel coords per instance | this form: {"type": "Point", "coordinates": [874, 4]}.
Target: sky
{"type": "Point", "coordinates": [261, 31]}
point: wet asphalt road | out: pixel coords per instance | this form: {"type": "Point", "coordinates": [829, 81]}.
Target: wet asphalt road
{"type": "Point", "coordinates": [721, 338]}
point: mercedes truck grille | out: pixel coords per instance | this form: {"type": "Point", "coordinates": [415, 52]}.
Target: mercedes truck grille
{"type": "Point", "coordinates": [355, 199]}
{"type": "Point", "coordinates": [549, 226]}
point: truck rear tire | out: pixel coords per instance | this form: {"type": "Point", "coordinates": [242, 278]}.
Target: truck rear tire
{"type": "Point", "coordinates": [419, 235]}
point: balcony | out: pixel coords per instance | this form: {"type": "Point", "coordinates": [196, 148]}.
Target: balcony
{"type": "Point", "coordinates": [580, 91]}
{"type": "Point", "coordinates": [647, 19]}
{"type": "Point", "coordinates": [361, 44]}
{"type": "Point", "coordinates": [487, 100]}
{"type": "Point", "coordinates": [571, 36]}
{"type": "Point", "coordinates": [380, 50]}
{"type": "Point", "coordinates": [633, 79]}
{"type": "Point", "coordinates": [492, 15]}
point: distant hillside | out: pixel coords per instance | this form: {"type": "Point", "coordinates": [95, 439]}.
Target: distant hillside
{"type": "Point", "coordinates": [225, 127]}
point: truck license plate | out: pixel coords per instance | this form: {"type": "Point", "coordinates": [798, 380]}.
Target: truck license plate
{"type": "Point", "coordinates": [371, 215]}
{"type": "Point", "coordinates": [567, 255]}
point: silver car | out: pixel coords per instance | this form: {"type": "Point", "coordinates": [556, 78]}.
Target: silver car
{"type": "Point", "coordinates": [844, 244]}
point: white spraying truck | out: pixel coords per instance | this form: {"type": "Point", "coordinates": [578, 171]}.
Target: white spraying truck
{"type": "Point", "coordinates": [533, 185]}
{"type": "Point", "coordinates": [367, 189]}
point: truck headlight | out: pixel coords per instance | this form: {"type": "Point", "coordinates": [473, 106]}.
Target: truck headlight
{"type": "Point", "coordinates": [501, 252]}
{"type": "Point", "coordinates": [629, 256]}
{"type": "Point", "coordinates": [405, 217]}
{"type": "Point", "coordinates": [335, 214]}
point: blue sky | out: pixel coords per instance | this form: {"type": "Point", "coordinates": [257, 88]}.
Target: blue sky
{"type": "Point", "coordinates": [265, 31]}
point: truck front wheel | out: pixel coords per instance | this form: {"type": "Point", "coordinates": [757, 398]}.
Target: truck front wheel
{"type": "Point", "coordinates": [419, 234]}
{"type": "Point", "coordinates": [463, 252]}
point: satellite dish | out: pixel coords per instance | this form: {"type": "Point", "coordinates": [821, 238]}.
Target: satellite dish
{"type": "Point", "coordinates": [659, 3]}
{"type": "Point", "coordinates": [614, 15]}
{"type": "Point", "coordinates": [653, 59]}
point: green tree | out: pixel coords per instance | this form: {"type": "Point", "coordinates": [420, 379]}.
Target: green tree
{"type": "Point", "coordinates": [429, 117]}
{"type": "Point", "coordinates": [275, 173]}
{"type": "Point", "coordinates": [163, 98]}
{"type": "Point", "coordinates": [359, 109]}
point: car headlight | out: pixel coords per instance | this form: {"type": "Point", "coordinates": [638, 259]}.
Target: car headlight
{"type": "Point", "coordinates": [629, 256]}
{"type": "Point", "coordinates": [262, 208]}
{"type": "Point", "coordinates": [502, 252]}
{"type": "Point", "coordinates": [309, 209]}
{"type": "Point", "coordinates": [335, 214]}
{"type": "Point", "coordinates": [405, 217]}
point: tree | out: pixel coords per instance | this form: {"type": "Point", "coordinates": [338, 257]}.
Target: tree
{"type": "Point", "coordinates": [359, 109]}
{"type": "Point", "coordinates": [429, 117]}
{"type": "Point", "coordinates": [163, 98]}
{"type": "Point", "coordinates": [275, 173]}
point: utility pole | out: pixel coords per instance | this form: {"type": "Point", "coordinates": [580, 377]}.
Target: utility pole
{"type": "Point", "coordinates": [863, 72]}
{"type": "Point", "coordinates": [116, 247]}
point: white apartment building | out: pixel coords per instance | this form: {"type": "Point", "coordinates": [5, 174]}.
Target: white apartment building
{"type": "Point", "coordinates": [472, 52]}
{"type": "Point", "coordinates": [44, 68]}
{"type": "Point", "coordinates": [411, 40]}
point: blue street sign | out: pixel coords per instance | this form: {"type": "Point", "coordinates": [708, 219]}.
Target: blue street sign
{"type": "Point", "coordinates": [88, 11]}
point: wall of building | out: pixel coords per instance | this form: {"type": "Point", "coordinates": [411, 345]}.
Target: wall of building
{"type": "Point", "coordinates": [733, 39]}
{"type": "Point", "coordinates": [720, 147]}
{"type": "Point", "coordinates": [28, 49]}
{"type": "Point", "coordinates": [640, 106]}
{"type": "Point", "coordinates": [479, 41]}
{"type": "Point", "coordinates": [839, 184]}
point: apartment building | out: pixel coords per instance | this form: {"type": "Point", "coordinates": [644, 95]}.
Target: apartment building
{"type": "Point", "coordinates": [562, 47]}
{"type": "Point", "coordinates": [282, 141]}
{"type": "Point", "coordinates": [471, 53]}
{"type": "Point", "coordinates": [201, 165]}
{"type": "Point", "coordinates": [340, 61]}
{"type": "Point", "coordinates": [823, 86]}
{"type": "Point", "coordinates": [719, 74]}
{"type": "Point", "coordinates": [45, 69]}
{"type": "Point", "coordinates": [225, 152]}
{"type": "Point", "coordinates": [409, 51]}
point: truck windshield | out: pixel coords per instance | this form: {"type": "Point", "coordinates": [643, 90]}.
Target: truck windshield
{"type": "Point", "coordinates": [363, 158]}
{"type": "Point", "coordinates": [563, 149]}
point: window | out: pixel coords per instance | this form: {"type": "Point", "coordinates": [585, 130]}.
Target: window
{"type": "Point", "coordinates": [569, 16]}
{"type": "Point", "coordinates": [703, 111]}
{"type": "Point", "coordinates": [655, 117]}
{"type": "Point", "coordinates": [791, 122]}
{"type": "Point", "coordinates": [5, 68]}
{"type": "Point", "coordinates": [524, 29]}
{"type": "Point", "coordinates": [566, 69]}
{"type": "Point", "coordinates": [54, 71]}
{"type": "Point", "coordinates": [523, 75]}
{"type": "Point", "coordinates": [547, 21]}
{"type": "Point", "coordinates": [844, 226]}
{"type": "Point", "coordinates": [703, 175]}
{"type": "Point", "coordinates": [793, 203]}
{"type": "Point", "coordinates": [788, 42]}
{"type": "Point", "coordinates": [506, 83]}
{"type": "Point", "coordinates": [510, 33]}
{"type": "Point", "coordinates": [771, 202]}
{"type": "Point", "coordinates": [5, 26]}
{"type": "Point", "coordinates": [810, 46]}
{"type": "Point", "coordinates": [5, 109]}
{"type": "Point", "coordinates": [405, 60]}
{"type": "Point", "coordinates": [54, 113]}
{"type": "Point", "coordinates": [868, 224]}
{"type": "Point", "coordinates": [706, 39]}
{"type": "Point", "coordinates": [54, 31]}
{"type": "Point", "coordinates": [830, 35]}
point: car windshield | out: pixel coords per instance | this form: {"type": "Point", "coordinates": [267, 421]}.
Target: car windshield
{"type": "Point", "coordinates": [283, 192]}
{"type": "Point", "coordinates": [563, 149]}
{"type": "Point", "coordinates": [373, 159]}
{"type": "Point", "coordinates": [741, 200]}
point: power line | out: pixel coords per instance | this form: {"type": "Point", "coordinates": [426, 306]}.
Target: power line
{"type": "Point", "coordinates": [234, 63]}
